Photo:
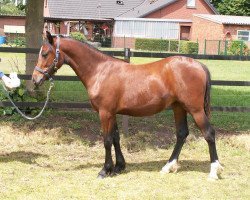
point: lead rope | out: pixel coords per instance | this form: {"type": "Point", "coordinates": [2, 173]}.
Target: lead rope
{"type": "Point", "coordinates": [20, 112]}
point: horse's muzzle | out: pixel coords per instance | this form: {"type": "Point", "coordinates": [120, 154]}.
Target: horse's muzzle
{"type": "Point", "coordinates": [38, 80]}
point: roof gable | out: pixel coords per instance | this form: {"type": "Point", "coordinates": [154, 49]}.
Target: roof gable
{"type": "Point", "coordinates": [149, 6]}
{"type": "Point", "coordinates": [89, 9]}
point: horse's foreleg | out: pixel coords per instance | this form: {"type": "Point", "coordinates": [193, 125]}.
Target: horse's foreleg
{"type": "Point", "coordinates": [181, 133]}
{"type": "Point", "coordinates": [107, 122]}
{"type": "Point", "coordinates": [120, 161]}
{"type": "Point", "coordinates": [209, 135]}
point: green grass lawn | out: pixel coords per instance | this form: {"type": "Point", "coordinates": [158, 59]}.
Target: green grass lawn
{"type": "Point", "coordinates": [59, 156]}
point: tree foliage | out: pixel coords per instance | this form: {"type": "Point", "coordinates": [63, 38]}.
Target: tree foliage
{"type": "Point", "coordinates": [215, 2]}
{"type": "Point", "coordinates": [235, 7]}
{"type": "Point", "coordinates": [8, 8]}
{"type": "Point", "coordinates": [232, 7]}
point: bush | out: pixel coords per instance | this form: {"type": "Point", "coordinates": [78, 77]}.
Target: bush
{"type": "Point", "coordinates": [188, 47]}
{"type": "Point", "coordinates": [156, 44]}
{"type": "Point", "coordinates": [235, 48]}
{"type": "Point", "coordinates": [18, 95]}
{"type": "Point", "coordinates": [20, 41]}
{"type": "Point", "coordinates": [78, 36]}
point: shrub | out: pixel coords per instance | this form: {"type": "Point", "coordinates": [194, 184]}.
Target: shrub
{"type": "Point", "coordinates": [235, 48]}
{"type": "Point", "coordinates": [156, 44]}
{"type": "Point", "coordinates": [188, 47]}
{"type": "Point", "coordinates": [18, 95]}
{"type": "Point", "coordinates": [20, 41]}
{"type": "Point", "coordinates": [78, 36]}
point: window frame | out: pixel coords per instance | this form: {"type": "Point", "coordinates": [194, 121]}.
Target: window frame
{"type": "Point", "coordinates": [191, 6]}
{"type": "Point", "coordinates": [243, 35]}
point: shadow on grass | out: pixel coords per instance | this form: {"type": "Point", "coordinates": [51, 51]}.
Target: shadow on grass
{"type": "Point", "coordinates": [21, 156]}
{"type": "Point", "coordinates": [155, 166]}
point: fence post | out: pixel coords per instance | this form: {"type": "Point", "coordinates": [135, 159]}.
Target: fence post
{"type": "Point", "coordinates": [225, 52]}
{"type": "Point", "coordinates": [205, 47]}
{"type": "Point", "coordinates": [125, 117]}
{"type": "Point", "coordinates": [241, 48]}
{"type": "Point", "coordinates": [219, 48]}
{"type": "Point", "coordinates": [124, 41]}
{"type": "Point", "coordinates": [169, 46]}
{"type": "Point", "coordinates": [161, 45]}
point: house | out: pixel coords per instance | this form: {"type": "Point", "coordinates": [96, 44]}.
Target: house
{"type": "Point", "coordinates": [119, 19]}
{"type": "Point", "coordinates": [169, 15]}
{"type": "Point", "coordinates": [90, 17]}
{"type": "Point", "coordinates": [217, 28]}
{"type": "Point", "coordinates": [98, 18]}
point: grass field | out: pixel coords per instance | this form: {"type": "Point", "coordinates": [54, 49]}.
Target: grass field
{"type": "Point", "coordinates": [59, 155]}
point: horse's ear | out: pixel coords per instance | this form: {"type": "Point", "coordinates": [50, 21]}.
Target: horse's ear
{"type": "Point", "coordinates": [49, 37]}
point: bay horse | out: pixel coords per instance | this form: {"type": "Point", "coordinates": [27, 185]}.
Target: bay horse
{"type": "Point", "coordinates": [117, 87]}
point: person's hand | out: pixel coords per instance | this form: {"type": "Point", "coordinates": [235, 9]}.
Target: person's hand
{"type": "Point", "coordinates": [15, 81]}
{"type": "Point", "coordinates": [11, 82]}
{"type": "Point", "coordinates": [7, 81]}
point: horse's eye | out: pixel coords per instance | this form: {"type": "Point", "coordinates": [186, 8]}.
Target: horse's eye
{"type": "Point", "coordinates": [44, 55]}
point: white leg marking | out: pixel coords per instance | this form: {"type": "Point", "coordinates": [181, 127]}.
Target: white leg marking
{"type": "Point", "coordinates": [170, 167]}
{"type": "Point", "coordinates": [216, 169]}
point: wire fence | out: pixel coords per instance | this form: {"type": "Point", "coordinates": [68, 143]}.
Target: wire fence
{"type": "Point", "coordinates": [160, 44]}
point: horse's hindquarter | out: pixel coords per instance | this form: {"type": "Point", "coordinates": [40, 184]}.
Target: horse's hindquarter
{"type": "Point", "coordinates": [189, 82]}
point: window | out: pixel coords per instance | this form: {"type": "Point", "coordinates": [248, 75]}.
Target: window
{"type": "Point", "coordinates": [244, 35]}
{"type": "Point", "coordinates": [191, 3]}
{"type": "Point", "coordinates": [120, 2]}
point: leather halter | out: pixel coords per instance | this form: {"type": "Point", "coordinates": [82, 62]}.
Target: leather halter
{"type": "Point", "coordinates": [53, 66]}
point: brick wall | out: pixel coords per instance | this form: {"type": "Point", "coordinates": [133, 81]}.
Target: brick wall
{"type": "Point", "coordinates": [204, 29]}
{"type": "Point", "coordinates": [179, 10]}
{"type": "Point", "coordinates": [232, 29]}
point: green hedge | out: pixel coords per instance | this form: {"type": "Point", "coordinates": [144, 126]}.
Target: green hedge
{"type": "Point", "coordinates": [188, 47]}
{"type": "Point", "coordinates": [163, 45]}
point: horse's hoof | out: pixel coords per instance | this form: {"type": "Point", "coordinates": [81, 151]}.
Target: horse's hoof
{"type": "Point", "coordinates": [118, 169]}
{"type": "Point", "coordinates": [216, 170]}
{"type": "Point", "coordinates": [170, 167]}
{"type": "Point", "coordinates": [102, 174]}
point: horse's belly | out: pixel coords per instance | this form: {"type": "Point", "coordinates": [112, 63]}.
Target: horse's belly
{"type": "Point", "coordinates": [145, 109]}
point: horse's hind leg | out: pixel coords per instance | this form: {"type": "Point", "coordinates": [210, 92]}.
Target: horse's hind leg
{"type": "Point", "coordinates": [209, 135]}
{"type": "Point", "coordinates": [180, 116]}
{"type": "Point", "coordinates": [120, 161]}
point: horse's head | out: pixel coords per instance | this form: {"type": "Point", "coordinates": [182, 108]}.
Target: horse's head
{"type": "Point", "coordinates": [49, 61]}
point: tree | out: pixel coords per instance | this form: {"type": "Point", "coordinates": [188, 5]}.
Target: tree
{"type": "Point", "coordinates": [234, 7]}
{"type": "Point", "coordinates": [33, 29]}
{"type": "Point", "coordinates": [215, 3]}
{"type": "Point", "coordinates": [8, 8]}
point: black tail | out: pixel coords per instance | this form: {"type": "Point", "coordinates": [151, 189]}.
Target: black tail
{"type": "Point", "coordinates": [207, 92]}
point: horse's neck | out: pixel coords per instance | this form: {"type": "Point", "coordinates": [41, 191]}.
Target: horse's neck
{"type": "Point", "coordinates": [84, 60]}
